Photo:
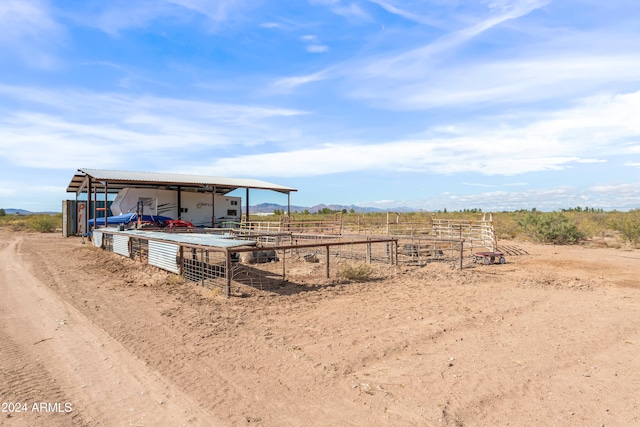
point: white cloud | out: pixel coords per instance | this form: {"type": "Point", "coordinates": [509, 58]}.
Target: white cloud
{"type": "Point", "coordinates": [289, 83]}
{"type": "Point", "coordinates": [623, 197]}
{"type": "Point", "coordinates": [119, 15]}
{"type": "Point", "coordinates": [126, 129]}
{"type": "Point", "coordinates": [29, 29]}
{"type": "Point", "coordinates": [498, 82]}
{"type": "Point", "coordinates": [351, 11]}
{"type": "Point", "coordinates": [587, 133]}
{"type": "Point", "coordinates": [375, 73]}
{"type": "Point", "coordinates": [386, 5]}
{"type": "Point", "coordinates": [317, 48]}
{"type": "Point", "coordinates": [271, 25]}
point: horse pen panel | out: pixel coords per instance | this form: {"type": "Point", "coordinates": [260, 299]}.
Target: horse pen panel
{"type": "Point", "coordinates": [205, 267]}
{"type": "Point", "coordinates": [304, 259]}
{"type": "Point", "coordinates": [420, 251]}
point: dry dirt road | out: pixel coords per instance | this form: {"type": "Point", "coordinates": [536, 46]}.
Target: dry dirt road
{"type": "Point", "coordinates": [91, 338]}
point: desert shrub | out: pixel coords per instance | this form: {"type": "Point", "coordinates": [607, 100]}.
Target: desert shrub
{"type": "Point", "coordinates": [590, 224]}
{"type": "Point", "coordinates": [358, 273]}
{"type": "Point", "coordinates": [628, 224]}
{"type": "Point", "coordinates": [38, 223]}
{"type": "Point", "coordinates": [44, 223]}
{"type": "Point", "coordinates": [506, 226]}
{"type": "Point", "coordinates": [552, 227]}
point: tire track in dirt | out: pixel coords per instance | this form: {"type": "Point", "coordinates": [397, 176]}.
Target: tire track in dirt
{"type": "Point", "coordinates": [25, 383]}
{"type": "Point", "coordinates": [118, 295]}
{"type": "Point", "coordinates": [103, 382]}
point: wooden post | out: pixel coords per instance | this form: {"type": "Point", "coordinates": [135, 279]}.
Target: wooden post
{"type": "Point", "coordinates": [368, 252]}
{"type": "Point", "coordinates": [461, 252]}
{"type": "Point", "coordinates": [181, 265]}
{"type": "Point", "coordinates": [327, 261]}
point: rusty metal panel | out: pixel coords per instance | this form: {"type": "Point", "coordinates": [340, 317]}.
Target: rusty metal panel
{"type": "Point", "coordinates": [121, 244]}
{"type": "Point", "coordinates": [164, 255]}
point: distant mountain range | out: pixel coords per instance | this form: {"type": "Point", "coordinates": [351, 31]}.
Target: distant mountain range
{"type": "Point", "coordinates": [12, 211]}
{"type": "Point", "coordinates": [267, 208]}
{"type": "Point", "coordinates": [271, 207]}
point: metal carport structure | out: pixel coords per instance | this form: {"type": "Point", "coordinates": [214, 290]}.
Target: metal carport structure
{"type": "Point", "coordinates": [104, 182]}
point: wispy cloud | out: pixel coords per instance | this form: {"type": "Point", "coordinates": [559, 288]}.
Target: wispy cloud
{"type": "Point", "coordinates": [317, 48]}
{"type": "Point", "coordinates": [380, 71]}
{"type": "Point", "coordinates": [352, 11]}
{"type": "Point", "coordinates": [621, 197]}
{"type": "Point", "coordinates": [313, 46]}
{"type": "Point", "coordinates": [503, 82]}
{"type": "Point", "coordinates": [116, 16]}
{"type": "Point", "coordinates": [30, 31]}
{"type": "Point", "coordinates": [126, 128]}
{"type": "Point", "coordinates": [290, 83]}
{"type": "Point", "coordinates": [587, 133]}
{"type": "Point", "coordinates": [420, 18]}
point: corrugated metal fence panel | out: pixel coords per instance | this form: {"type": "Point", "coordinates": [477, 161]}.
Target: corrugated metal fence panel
{"type": "Point", "coordinates": [164, 255]}
{"type": "Point", "coordinates": [121, 244]}
{"type": "Point", "coordinates": [97, 239]}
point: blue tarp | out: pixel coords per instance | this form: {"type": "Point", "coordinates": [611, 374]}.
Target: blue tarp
{"type": "Point", "coordinates": [127, 218]}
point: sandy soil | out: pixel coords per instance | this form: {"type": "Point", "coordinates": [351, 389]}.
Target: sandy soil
{"type": "Point", "coordinates": [550, 338]}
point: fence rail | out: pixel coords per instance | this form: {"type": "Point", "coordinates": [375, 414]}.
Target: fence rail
{"type": "Point", "coordinates": [277, 258]}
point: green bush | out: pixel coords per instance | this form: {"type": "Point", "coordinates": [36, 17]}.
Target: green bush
{"type": "Point", "coordinates": [628, 225]}
{"type": "Point", "coordinates": [552, 227]}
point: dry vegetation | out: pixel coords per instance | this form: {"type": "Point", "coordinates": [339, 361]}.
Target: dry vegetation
{"type": "Point", "coordinates": [40, 223]}
{"type": "Point", "coordinates": [564, 227]}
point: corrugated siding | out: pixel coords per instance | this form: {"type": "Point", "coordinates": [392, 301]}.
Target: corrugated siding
{"type": "Point", "coordinates": [164, 255]}
{"type": "Point", "coordinates": [214, 240]}
{"type": "Point", "coordinates": [97, 239]}
{"type": "Point", "coordinates": [121, 244]}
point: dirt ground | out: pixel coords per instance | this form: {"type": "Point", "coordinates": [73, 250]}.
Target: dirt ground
{"type": "Point", "coordinates": [92, 338]}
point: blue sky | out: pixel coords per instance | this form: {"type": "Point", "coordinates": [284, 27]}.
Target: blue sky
{"type": "Point", "coordinates": [492, 104]}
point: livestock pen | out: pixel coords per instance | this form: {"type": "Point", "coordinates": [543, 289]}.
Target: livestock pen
{"type": "Point", "coordinates": [266, 260]}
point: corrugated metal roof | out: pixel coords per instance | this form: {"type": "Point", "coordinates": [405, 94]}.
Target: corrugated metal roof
{"type": "Point", "coordinates": [213, 240]}
{"type": "Point", "coordinates": [119, 179]}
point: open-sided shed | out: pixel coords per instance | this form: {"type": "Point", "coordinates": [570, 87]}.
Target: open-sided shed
{"type": "Point", "coordinates": [98, 184]}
